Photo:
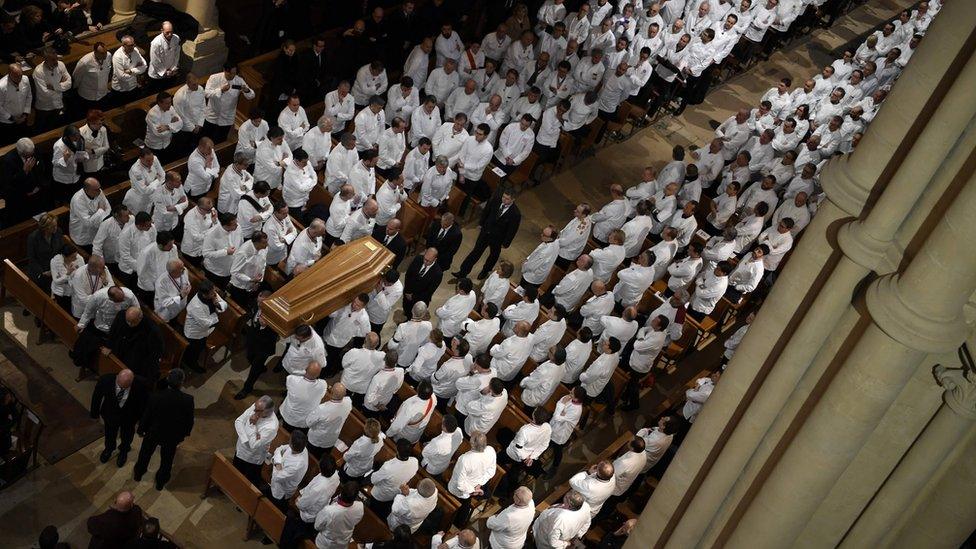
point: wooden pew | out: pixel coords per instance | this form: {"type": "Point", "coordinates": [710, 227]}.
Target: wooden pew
{"type": "Point", "coordinates": [608, 453]}
{"type": "Point", "coordinates": [224, 476]}
{"type": "Point", "coordinates": [82, 44]}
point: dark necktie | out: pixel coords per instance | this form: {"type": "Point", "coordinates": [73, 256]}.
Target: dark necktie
{"type": "Point", "coordinates": [440, 236]}
{"type": "Point", "coordinates": [119, 395]}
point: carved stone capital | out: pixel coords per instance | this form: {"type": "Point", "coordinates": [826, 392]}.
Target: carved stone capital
{"type": "Point", "coordinates": [960, 389]}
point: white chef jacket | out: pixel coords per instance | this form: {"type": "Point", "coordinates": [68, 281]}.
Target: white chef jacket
{"type": "Point", "coordinates": [594, 309]}
{"type": "Point", "coordinates": [708, 290]}
{"type": "Point", "coordinates": [216, 258]}
{"type": "Point", "coordinates": [90, 77]}
{"type": "Point", "coordinates": [366, 85]}
{"type": "Point", "coordinates": [747, 230]}
{"type": "Point", "coordinates": [436, 186]}
{"type": "Point", "coordinates": [199, 177]}
{"type": "Point", "coordinates": [299, 354]}
{"type": "Point", "coordinates": [387, 479]}
{"type": "Point", "coordinates": [98, 143]}
{"type": "Point", "coordinates": [475, 157]}
{"type": "Point", "coordinates": [392, 145]}
{"type": "Point", "coordinates": [335, 524]}
{"type": "Point", "coordinates": [598, 374]}
{"type": "Point", "coordinates": [60, 277]}
{"type": "Point", "coordinates": [472, 469]}
{"type": "Point", "coordinates": [233, 186]}
{"type": "Point", "coordinates": [695, 398]}
{"type": "Point", "coordinates": [388, 200]}
{"type": "Point", "coordinates": [342, 109]}
{"type": "Point", "coordinates": [656, 443]}
{"type": "Point", "coordinates": [414, 168]}
{"type": "Point", "coordinates": [168, 301]}
{"type": "Point", "coordinates": [298, 184]}
{"type": "Point", "coordinates": [556, 527]}
{"type": "Point", "coordinates": [65, 170]}
{"type": "Point", "coordinates": [248, 137]}
{"type": "Point", "coordinates": [131, 242]}
{"type": "Point", "coordinates": [577, 355]}
{"type": "Point", "coordinates": [572, 287]}
{"type": "Point", "coordinates": [106, 240]}
{"type": "Point", "coordinates": [222, 105]}
{"type": "Point", "coordinates": [480, 333]}
{"type": "Point", "coordinates": [126, 68]}
{"type": "Point", "coordinates": [357, 226]}
{"type": "Point", "coordinates": [461, 101]}
{"type": "Point", "coordinates": [424, 124]}
{"type": "Point", "coordinates": [408, 338]}
{"type": "Point", "coordinates": [164, 55]}
{"type": "Point", "coordinates": [359, 366]}
{"type": "Point", "coordinates": [440, 84]}
{"type": "Point", "coordinates": [359, 456]}
{"type": "Point", "coordinates": [303, 397]}
{"type": "Point", "coordinates": [438, 452]}
{"type": "Point", "coordinates": [151, 263]}
{"type": "Point", "coordinates": [626, 468]}
{"type": "Point", "coordinates": [564, 419]}
{"type": "Point", "coordinates": [540, 384]}
{"type": "Point", "coordinates": [14, 100]}
{"type": "Point", "coordinates": [294, 124]}
{"type": "Point", "coordinates": [606, 260]}
{"type": "Point", "coordinates": [495, 289]}
{"type": "Point", "coordinates": [339, 167]}
{"type": "Point", "coordinates": [448, 143]}
{"type": "Point", "coordinates": [454, 312]}
{"type": "Point", "coordinates": [425, 363]}
{"type": "Point", "coordinates": [86, 214]}
{"type": "Point", "coordinates": [326, 420]}
{"type": "Point", "coordinates": [547, 335]}
{"type": "Point", "coordinates": [682, 272]}
{"type": "Point", "coordinates": [517, 312]}
{"type": "Point", "coordinates": [510, 527]}
{"type": "Point", "coordinates": [285, 481]}
{"type": "Point", "coordinates": [254, 439]}
{"type": "Point", "coordinates": [318, 145]}
{"type": "Point", "coordinates": [732, 343]}
{"type": "Point", "coordinates": [51, 83]}
{"type": "Point", "coordinates": [316, 495]}
{"type": "Point", "coordinates": [632, 282]}
{"type": "Point", "coordinates": [304, 250]}
{"type": "Point", "coordinates": [381, 302]}
{"type": "Point", "coordinates": [246, 211]}
{"type": "Point", "coordinates": [99, 307]}
{"type": "Point", "coordinates": [382, 386]}
{"type": "Point", "coordinates": [416, 66]}
{"type": "Point", "coordinates": [191, 107]}
{"type": "Point", "coordinates": [448, 48]}
{"type": "Point", "coordinates": [483, 412]}
{"type": "Point", "coordinates": [779, 244]}
{"type": "Point", "coordinates": [200, 322]}
{"type": "Point", "coordinates": [411, 418]}
{"type": "Point", "coordinates": [399, 106]}
{"type": "Point", "coordinates": [799, 214]}
{"type": "Point", "coordinates": [363, 180]}
{"type": "Point", "coordinates": [411, 509]}
{"type": "Point", "coordinates": [594, 490]}
{"type": "Point", "coordinates": [647, 346]}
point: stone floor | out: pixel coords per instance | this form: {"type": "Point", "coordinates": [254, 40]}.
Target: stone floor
{"type": "Point", "coordinates": [69, 491]}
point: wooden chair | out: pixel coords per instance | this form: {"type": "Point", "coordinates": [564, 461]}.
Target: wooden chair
{"type": "Point", "coordinates": [268, 518]}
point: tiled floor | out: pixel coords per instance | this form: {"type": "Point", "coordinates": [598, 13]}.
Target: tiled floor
{"type": "Point", "coordinates": [69, 491]}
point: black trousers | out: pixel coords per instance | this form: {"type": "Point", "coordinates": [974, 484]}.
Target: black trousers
{"type": "Point", "coordinates": [251, 471]}
{"type": "Point", "coordinates": [258, 367]}
{"type": "Point", "coordinates": [295, 530]}
{"type": "Point", "coordinates": [167, 452]}
{"type": "Point", "coordinates": [484, 242]}
{"type": "Point", "coordinates": [333, 359]}
{"type": "Point", "coordinates": [697, 315]}
{"type": "Point", "coordinates": [217, 133]}
{"type": "Point", "coordinates": [381, 508]}
{"type": "Point", "coordinates": [463, 515]}
{"type": "Point", "coordinates": [219, 281]}
{"type": "Point", "coordinates": [114, 428]}
{"type": "Point", "coordinates": [87, 346]}
{"type": "Point", "coordinates": [191, 356]}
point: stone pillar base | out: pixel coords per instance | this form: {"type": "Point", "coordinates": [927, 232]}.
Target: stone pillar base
{"type": "Point", "coordinates": [208, 52]}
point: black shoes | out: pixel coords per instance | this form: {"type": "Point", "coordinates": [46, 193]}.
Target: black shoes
{"type": "Point", "coordinates": [242, 394]}
{"type": "Point", "coordinates": [120, 461]}
{"type": "Point", "coordinates": [105, 456]}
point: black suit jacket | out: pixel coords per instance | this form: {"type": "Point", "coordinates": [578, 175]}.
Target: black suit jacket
{"type": "Point", "coordinates": [399, 248]}
{"type": "Point", "coordinates": [447, 246]}
{"type": "Point", "coordinates": [313, 69]}
{"type": "Point", "coordinates": [139, 348]}
{"type": "Point", "coordinates": [500, 229]}
{"type": "Point", "coordinates": [168, 417]}
{"type": "Point", "coordinates": [421, 289]}
{"type": "Point", "coordinates": [105, 405]}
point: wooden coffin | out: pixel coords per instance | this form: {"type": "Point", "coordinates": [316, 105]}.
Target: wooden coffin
{"type": "Point", "coordinates": [327, 286]}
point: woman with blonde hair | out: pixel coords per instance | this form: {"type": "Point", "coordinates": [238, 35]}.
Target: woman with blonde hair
{"type": "Point", "coordinates": [42, 245]}
{"type": "Point", "coordinates": [359, 457]}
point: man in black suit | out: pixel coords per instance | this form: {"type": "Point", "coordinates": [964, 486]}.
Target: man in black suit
{"type": "Point", "coordinates": [167, 421]}
{"type": "Point", "coordinates": [315, 79]}
{"type": "Point", "coordinates": [422, 278]}
{"type": "Point", "coordinates": [20, 184]}
{"type": "Point", "coordinates": [446, 238]}
{"type": "Point", "coordinates": [119, 400]}
{"type": "Point", "coordinates": [499, 224]}
{"type": "Point", "coordinates": [138, 343]}
{"type": "Point", "coordinates": [390, 237]}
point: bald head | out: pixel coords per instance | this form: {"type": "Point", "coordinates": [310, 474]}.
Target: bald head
{"type": "Point", "coordinates": [174, 267]}
{"type": "Point", "coordinates": [467, 538]}
{"type": "Point", "coordinates": [133, 316]}
{"type": "Point", "coordinates": [124, 378]}
{"type": "Point", "coordinates": [312, 370]}
{"type": "Point", "coordinates": [338, 391]}
{"type": "Point", "coordinates": [522, 328]}
{"type": "Point", "coordinates": [372, 340]}
{"type": "Point", "coordinates": [604, 470]}
{"type": "Point", "coordinates": [124, 501]}
{"type": "Point", "coordinates": [522, 497]}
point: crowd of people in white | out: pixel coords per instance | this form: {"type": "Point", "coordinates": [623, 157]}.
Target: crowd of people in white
{"type": "Point", "coordinates": [714, 222]}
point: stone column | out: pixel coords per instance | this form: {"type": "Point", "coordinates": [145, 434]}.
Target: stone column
{"type": "Point", "coordinates": [208, 51]}
{"type": "Point", "coordinates": [123, 10]}
{"type": "Point", "coordinates": [892, 504]}
{"type": "Point", "coordinates": [809, 297]}
{"type": "Point", "coordinates": [913, 314]}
